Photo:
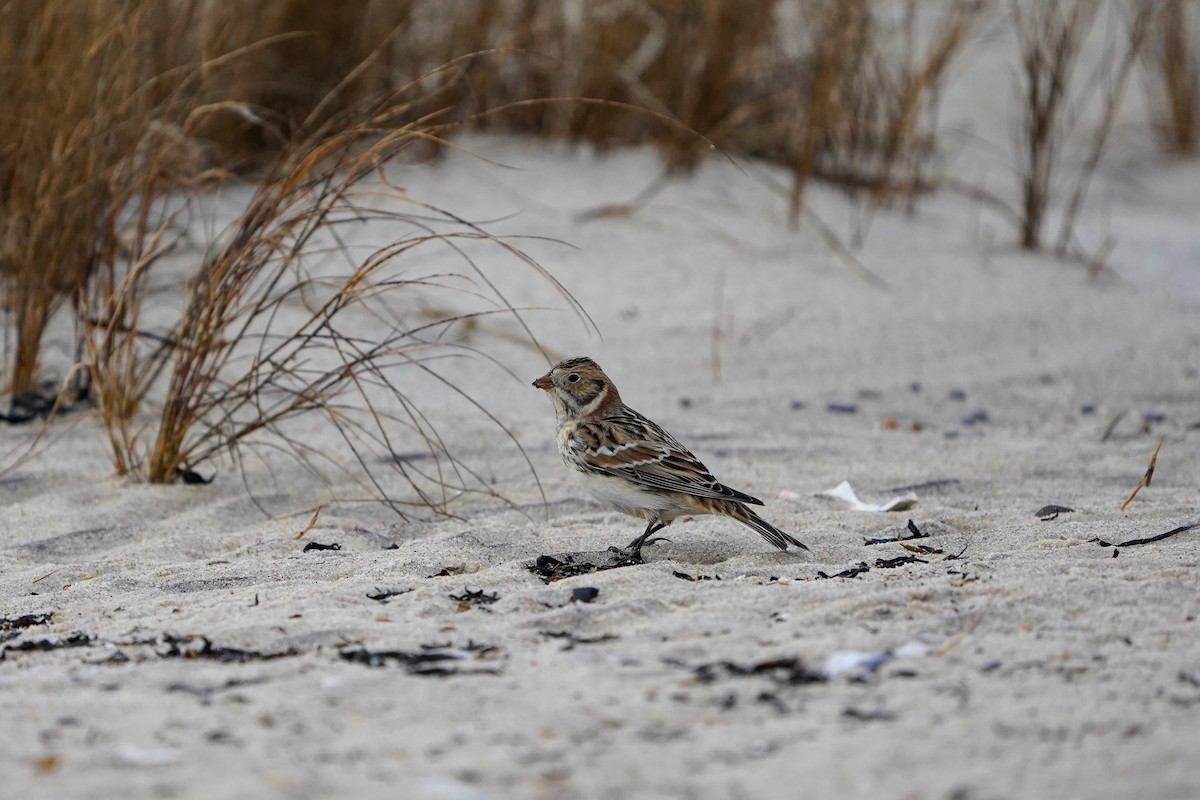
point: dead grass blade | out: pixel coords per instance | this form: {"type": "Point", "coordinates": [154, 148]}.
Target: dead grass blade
{"type": "Point", "coordinates": [1145, 481]}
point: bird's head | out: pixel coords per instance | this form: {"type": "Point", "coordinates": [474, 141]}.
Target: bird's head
{"type": "Point", "coordinates": [578, 388]}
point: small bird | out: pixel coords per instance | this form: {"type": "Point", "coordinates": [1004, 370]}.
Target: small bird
{"type": "Point", "coordinates": [629, 463]}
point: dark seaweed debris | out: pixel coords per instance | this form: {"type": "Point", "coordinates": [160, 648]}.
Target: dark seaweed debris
{"type": "Point", "coordinates": [11, 627]}
{"type": "Point", "coordinates": [473, 599]}
{"type": "Point", "coordinates": [568, 565]}
{"type": "Point", "coordinates": [201, 647]}
{"type": "Point", "coordinates": [573, 639]}
{"type": "Point", "coordinates": [862, 715]}
{"type": "Point", "coordinates": [75, 639]}
{"type": "Point", "coordinates": [852, 572]}
{"type": "Point", "coordinates": [787, 671]}
{"type": "Point", "coordinates": [890, 563]}
{"type": "Point", "coordinates": [319, 546]}
{"type": "Point", "coordinates": [683, 576]}
{"type": "Point", "coordinates": [430, 660]}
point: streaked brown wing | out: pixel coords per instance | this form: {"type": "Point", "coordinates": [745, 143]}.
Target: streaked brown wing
{"type": "Point", "coordinates": [660, 465]}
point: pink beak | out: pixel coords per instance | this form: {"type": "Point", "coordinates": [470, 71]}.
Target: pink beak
{"type": "Point", "coordinates": [544, 383]}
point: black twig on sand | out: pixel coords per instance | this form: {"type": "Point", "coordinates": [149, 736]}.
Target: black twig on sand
{"type": "Point", "coordinates": [383, 595]}
{"type": "Point", "coordinates": [1148, 539]}
{"type": "Point", "coordinates": [319, 546]}
{"type": "Point", "coordinates": [890, 563]}
{"type": "Point", "coordinates": [852, 572]}
{"type": "Point", "coordinates": [913, 531]}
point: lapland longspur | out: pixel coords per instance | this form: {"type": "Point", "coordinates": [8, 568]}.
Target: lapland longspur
{"type": "Point", "coordinates": [631, 464]}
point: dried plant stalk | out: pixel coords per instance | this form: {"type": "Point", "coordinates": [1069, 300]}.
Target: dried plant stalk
{"type": "Point", "coordinates": [1048, 37]}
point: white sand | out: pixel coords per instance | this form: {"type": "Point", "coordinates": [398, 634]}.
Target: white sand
{"type": "Point", "coordinates": [1052, 667]}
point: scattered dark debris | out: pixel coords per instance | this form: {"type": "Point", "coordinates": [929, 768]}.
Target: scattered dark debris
{"type": "Point", "coordinates": [1116, 552]}
{"type": "Point", "coordinates": [573, 639]}
{"type": "Point", "coordinates": [913, 533]}
{"type": "Point", "coordinates": [787, 671]}
{"type": "Point", "coordinates": [205, 693]}
{"type": "Point", "coordinates": [192, 478]}
{"type": "Point", "coordinates": [957, 394]}
{"type": "Point", "coordinates": [584, 594]}
{"type": "Point", "coordinates": [1153, 418]}
{"type": "Point", "coordinates": [1087, 409]}
{"type": "Point", "coordinates": [890, 563]}
{"type": "Point", "coordinates": [852, 572]}
{"type": "Point", "coordinates": [797, 405]}
{"type": "Point", "coordinates": [568, 565]}
{"type": "Point", "coordinates": [40, 403]}
{"type": "Point", "coordinates": [73, 639]}
{"type": "Point", "coordinates": [957, 555]}
{"type": "Point", "coordinates": [771, 699]}
{"type": "Point", "coordinates": [842, 408]}
{"type": "Point", "coordinates": [683, 576]}
{"type": "Point", "coordinates": [10, 627]}
{"type": "Point", "coordinates": [1051, 512]}
{"type": "Point", "coordinates": [1145, 481]}
{"type": "Point", "coordinates": [550, 568]}
{"type": "Point", "coordinates": [221, 737]}
{"type": "Point", "coordinates": [975, 418]}
{"type": "Point", "coordinates": [1148, 539]}
{"type": "Point", "coordinates": [474, 599]}
{"type": "Point", "coordinates": [453, 569]}
{"type": "Point", "coordinates": [430, 660]}
{"type": "Point", "coordinates": [383, 595]}
{"type": "Point", "coordinates": [171, 646]}
{"type": "Point", "coordinates": [319, 546]}
{"type": "Point", "coordinates": [963, 577]}
{"type": "Point", "coordinates": [862, 715]}
{"type": "Point", "coordinates": [923, 549]}
{"type": "Point", "coordinates": [925, 487]}
{"type": "Point", "coordinates": [392, 546]}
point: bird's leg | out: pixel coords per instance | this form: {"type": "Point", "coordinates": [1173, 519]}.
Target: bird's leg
{"type": "Point", "coordinates": [634, 550]}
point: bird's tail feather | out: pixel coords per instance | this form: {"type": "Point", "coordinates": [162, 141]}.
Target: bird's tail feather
{"type": "Point", "coordinates": [764, 528]}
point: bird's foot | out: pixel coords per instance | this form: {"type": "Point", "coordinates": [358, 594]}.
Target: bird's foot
{"type": "Point", "coordinates": [640, 542]}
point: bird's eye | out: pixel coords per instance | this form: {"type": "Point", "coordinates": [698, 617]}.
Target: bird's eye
{"type": "Point", "coordinates": [573, 378]}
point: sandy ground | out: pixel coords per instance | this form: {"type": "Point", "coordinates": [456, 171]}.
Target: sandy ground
{"type": "Point", "coordinates": [181, 642]}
